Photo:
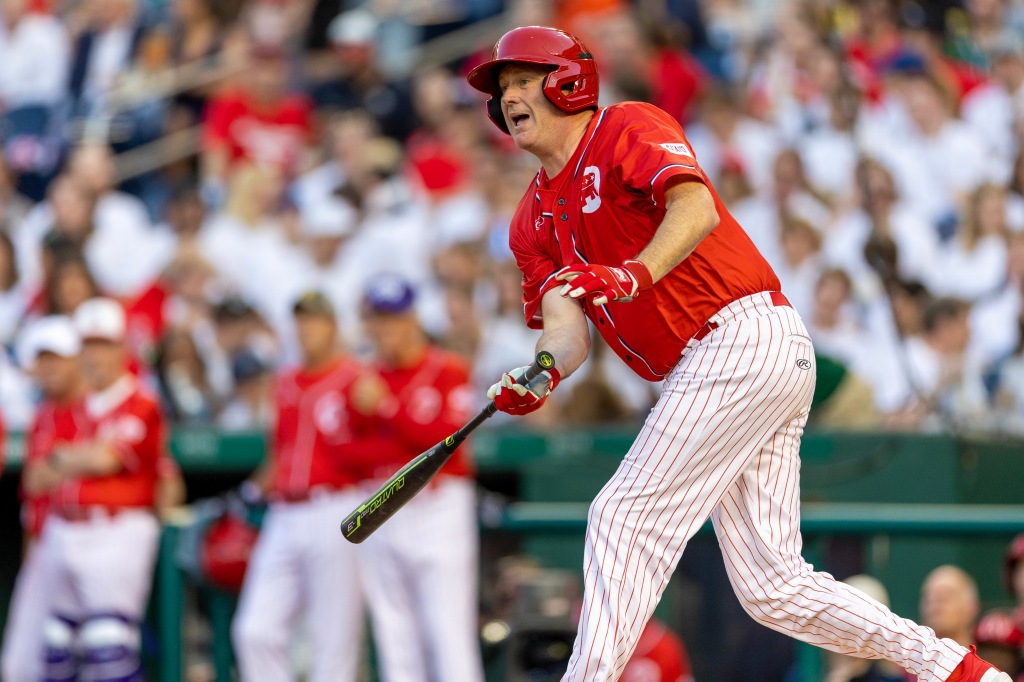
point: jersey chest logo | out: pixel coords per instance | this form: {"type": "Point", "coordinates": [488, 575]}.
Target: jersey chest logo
{"type": "Point", "coordinates": [590, 193]}
{"type": "Point", "coordinates": [329, 414]}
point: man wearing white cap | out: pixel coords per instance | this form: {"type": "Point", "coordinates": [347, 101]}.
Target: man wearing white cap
{"type": "Point", "coordinates": [101, 535]}
{"type": "Point", "coordinates": [49, 351]}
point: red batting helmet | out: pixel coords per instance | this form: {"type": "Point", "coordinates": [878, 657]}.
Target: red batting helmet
{"type": "Point", "coordinates": [573, 69]}
{"type": "Point", "coordinates": [225, 551]}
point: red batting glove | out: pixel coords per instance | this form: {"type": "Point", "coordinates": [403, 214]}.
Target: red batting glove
{"type": "Point", "coordinates": [605, 283]}
{"type": "Point", "coordinates": [511, 397]}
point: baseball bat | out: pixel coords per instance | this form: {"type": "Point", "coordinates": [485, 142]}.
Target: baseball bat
{"type": "Point", "coordinates": [395, 492]}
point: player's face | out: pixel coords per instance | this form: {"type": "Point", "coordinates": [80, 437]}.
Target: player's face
{"type": "Point", "coordinates": [531, 118]}
{"type": "Point", "coordinates": [391, 334]}
{"type": "Point", "coordinates": [56, 375]}
{"type": "Point", "coordinates": [317, 336]}
{"type": "Point", "coordinates": [102, 363]}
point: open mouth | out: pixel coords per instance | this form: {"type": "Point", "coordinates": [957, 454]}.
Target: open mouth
{"type": "Point", "coordinates": [519, 119]}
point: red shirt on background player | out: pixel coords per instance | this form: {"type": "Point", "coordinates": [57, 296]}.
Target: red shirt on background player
{"type": "Point", "coordinates": [320, 440]}
{"type": "Point", "coordinates": [60, 419]}
{"type": "Point", "coordinates": [116, 465]}
{"type": "Point", "coordinates": [428, 396]}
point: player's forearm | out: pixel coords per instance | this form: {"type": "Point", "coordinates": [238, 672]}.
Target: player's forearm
{"type": "Point", "coordinates": [690, 216]}
{"type": "Point", "coordinates": [566, 334]}
{"type": "Point", "coordinates": [40, 478]}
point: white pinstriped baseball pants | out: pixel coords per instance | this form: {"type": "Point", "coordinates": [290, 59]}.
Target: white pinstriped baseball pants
{"type": "Point", "coordinates": [723, 441]}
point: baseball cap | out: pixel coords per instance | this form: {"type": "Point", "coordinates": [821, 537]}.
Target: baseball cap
{"type": "Point", "coordinates": [100, 318]}
{"type": "Point", "coordinates": [389, 294]}
{"type": "Point", "coordinates": [51, 334]}
{"type": "Point", "coordinates": [231, 308]}
{"type": "Point", "coordinates": [313, 303]}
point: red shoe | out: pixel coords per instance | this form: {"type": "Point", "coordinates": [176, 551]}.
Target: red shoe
{"type": "Point", "coordinates": [974, 669]}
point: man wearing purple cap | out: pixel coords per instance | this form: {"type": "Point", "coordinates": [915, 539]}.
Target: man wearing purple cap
{"type": "Point", "coordinates": [421, 567]}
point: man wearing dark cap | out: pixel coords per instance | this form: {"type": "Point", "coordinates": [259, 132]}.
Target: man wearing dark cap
{"type": "Point", "coordinates": [421, 567]}
{"type": "Point", "coordinates": [316, 444]}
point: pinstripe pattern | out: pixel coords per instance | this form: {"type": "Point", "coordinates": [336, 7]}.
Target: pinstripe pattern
{"type": "Point", "coordinates": [723, 441]}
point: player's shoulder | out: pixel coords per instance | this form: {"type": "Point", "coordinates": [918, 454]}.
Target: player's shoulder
{"type": "Point", "coordinates": [143, 401]}
{"type": "Point", "coordinates": [624, 120]}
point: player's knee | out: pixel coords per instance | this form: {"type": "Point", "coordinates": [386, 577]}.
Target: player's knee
{"type": "Point", "coordinates": [59, 661]}
{"type": "Point", "coordinates": [109, 646]}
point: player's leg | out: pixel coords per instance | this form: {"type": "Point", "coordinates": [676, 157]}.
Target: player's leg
{"type": "Point", "coordinates": [446, 582]}
{"type": "Point", "coordinates": [268, 606]}
{"type": "Point", "coordinates": [21, 658]}
{"type": "Point", "coordinates": [334, 592]}
{"type": "Point", "coordinates": [391, 596]}
{"type": "Point", "coordinates": [112, 570]}
{"type": "Point", "coordinates": [716, 410]}
{"type": "Point", "coordinates": [758, 526]}
{"type": "Point", "coordinates": [60, 630]}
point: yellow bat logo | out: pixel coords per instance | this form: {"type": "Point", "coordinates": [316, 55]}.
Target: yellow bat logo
{"type": "Point", "coordinates": [450, 440]}
{"type": "Point", "coordinates": [546, 361]}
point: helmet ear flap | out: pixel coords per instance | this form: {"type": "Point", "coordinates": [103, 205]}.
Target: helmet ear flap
{"type": "Point", "coordinates": [495, 113]}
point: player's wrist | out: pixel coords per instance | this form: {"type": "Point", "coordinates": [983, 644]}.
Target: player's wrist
{"type": "Point", "coordinates": [641, 273]}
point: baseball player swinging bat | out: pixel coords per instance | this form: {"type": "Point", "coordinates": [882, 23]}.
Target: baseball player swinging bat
{"type": "Point", "coordinates": [394, 493]}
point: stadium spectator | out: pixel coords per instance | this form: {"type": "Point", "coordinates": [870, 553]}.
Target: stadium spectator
{"type": "Point", "coordinates": [355, 79]}
{"type": "Point", "coordinates": [14, 296]}
{"type": "Point", "coordinates": [950, 604]}
{"type": "Point", "coordinates": [34, 59]}
{"type": "Point", "coordinates": [69, 285]}
{"type": "Point", "coordinates": [103, 51]}
{"type": "Point", "coordinates": [880, 214]}
{"type": "Point", "coordinates": [995, 110]}
{"type": "Point", "coordinates": [945, 382]}
{"type": "Point", "coordinates": [972, 265]}
{"type": "Point", "coordinates": [120, 224]}
{"type": "Point", "coordinates": [251, 405]}
{"type": "Point", "coordinates": [1000, 638]}
{"type": "Point", "coordinates": [723, 133]}
{"type": "Point", "coordinates": [181, 375]}
{"type": "Point", "coordinates": [259, 121]}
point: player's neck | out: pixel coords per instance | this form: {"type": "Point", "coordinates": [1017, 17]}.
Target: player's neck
{"type": "Point", "coordinates": [318, 363]}
{"type": "Point", "coordinates": [410, 355]}
{"type": "Point", "coordinates": [566, 142]}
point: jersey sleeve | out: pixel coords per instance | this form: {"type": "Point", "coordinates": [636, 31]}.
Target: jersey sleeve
{"type": "Point", "coordinates": [538, 268]}
{"type": "Point", "coordinates": [652, 153]}
{"type": "Point", "coordinates": [138, 437]}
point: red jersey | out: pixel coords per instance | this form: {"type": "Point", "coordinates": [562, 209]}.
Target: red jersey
{"type": "Point", "coordinates": [274, 136]}
{"type": "Point", "coordinates": [659, 657]}
{"type": "Point", "coordinates": [127, 419]}
{"type": "Point", "coordinates": [319, 440]}
{"type": "Point", "coordinates": [433, 399]}
{"type": "Point", "coordinates": [54, 424]}
{"type": "Point", "coordinates": [604, 207]}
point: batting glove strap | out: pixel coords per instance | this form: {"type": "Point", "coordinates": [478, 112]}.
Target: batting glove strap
{"type": "Point", "coordinates": [511, 397]}
{"type": "Point", "coordinates": [605, 283]}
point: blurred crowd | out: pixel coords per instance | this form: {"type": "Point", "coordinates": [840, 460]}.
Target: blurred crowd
{"type": "Point", "coordinates": [206, 161]}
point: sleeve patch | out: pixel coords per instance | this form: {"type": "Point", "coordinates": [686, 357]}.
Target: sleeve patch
{"type": "Point", "coordinates": [677, 148]}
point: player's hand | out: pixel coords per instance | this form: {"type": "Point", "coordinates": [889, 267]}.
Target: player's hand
{"type": "Point", "coordinates": [511, 397]}
{"type": "Point", "coordinates": [604, 282]}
